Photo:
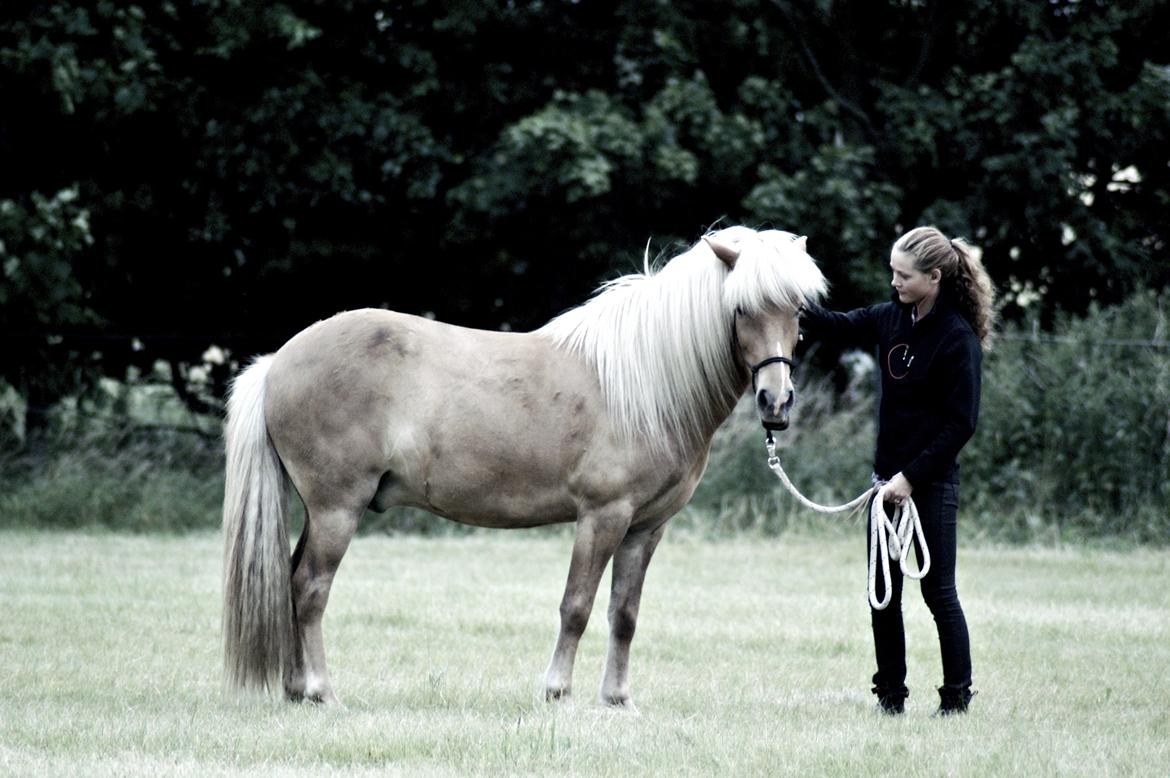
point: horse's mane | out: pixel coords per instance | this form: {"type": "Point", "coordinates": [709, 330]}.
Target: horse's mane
{"type": "Point", "coordinates": [662, 343]}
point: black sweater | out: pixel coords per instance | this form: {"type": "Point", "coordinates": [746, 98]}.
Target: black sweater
{"type": "Point", "coordinates": [930, 382]}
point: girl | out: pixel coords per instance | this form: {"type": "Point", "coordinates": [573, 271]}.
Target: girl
{"type": "Point", "coordinates": [930, 343]}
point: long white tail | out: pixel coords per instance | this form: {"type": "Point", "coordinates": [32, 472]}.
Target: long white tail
{"type": "Point", "coordinates": [258, 637]}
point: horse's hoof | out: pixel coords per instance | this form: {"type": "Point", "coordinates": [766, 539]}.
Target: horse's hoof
{"type": "Point", "coordinates": [557, 695]}
{"type": "Point", "coordinates": [621, 703]}
{"type": "Point", "coordinates": [323, 697]}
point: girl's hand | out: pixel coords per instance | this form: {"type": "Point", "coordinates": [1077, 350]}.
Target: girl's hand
{"type": "Point", "coordinates": [898, 489]}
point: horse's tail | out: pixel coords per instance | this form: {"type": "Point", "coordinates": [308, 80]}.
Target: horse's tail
{"type": "Point", "coordinates": [258, 619]}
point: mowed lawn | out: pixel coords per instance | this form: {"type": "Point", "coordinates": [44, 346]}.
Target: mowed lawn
{"type": "Point", "coordinates": [752, 657]}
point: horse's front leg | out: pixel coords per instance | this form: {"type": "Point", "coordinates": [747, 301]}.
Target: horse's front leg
{"type": "Point", "coordinates": [629, 572]}
{"type": "Point", "coordinates": [599, 532]}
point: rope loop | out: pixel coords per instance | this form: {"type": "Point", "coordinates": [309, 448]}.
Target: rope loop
{"type": "Point", "coordinates": [892, 536]}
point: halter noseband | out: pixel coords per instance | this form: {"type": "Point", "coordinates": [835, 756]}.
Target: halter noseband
{"type": "Point", "coordinates": [769, 361]}
{"type": "Point", "coordinates": [755, 371]}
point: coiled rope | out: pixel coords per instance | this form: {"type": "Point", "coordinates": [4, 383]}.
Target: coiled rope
{"type": "Point", "coordinates": [890, 536]}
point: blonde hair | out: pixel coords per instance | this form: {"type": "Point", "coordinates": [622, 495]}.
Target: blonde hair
{"type": "Point", "coordinates": [963, 276]}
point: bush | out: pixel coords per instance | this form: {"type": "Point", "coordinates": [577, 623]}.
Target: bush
{"type": "Point", "coordinates": [827, 453]}
{"type": "Point", "coordinates": [128, 456]}
{"type": "Point", "coordinates": [137, 482]}
{"type": "Point", "coordinates": [1073, 443]}
{"type": "Point", "coordinates": [1074, 438]}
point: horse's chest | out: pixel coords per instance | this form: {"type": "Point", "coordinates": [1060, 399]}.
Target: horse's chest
{"type": "Point", "coordinates": [673, 491]}
{"type": "Point", "coordinates": [654, 489]}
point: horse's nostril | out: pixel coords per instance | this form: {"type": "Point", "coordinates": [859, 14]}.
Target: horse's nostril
{"type": "Point", "coordinates": [764, 399]}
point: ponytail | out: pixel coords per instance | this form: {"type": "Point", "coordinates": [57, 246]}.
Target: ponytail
{"type": "Point", "coordinates": [974, 294]}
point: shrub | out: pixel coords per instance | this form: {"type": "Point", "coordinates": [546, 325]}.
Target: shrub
{"type": "Point", "coordinates": [141, 482]}
{"type": "Point", "coordinates": [827, 452]}
{"type": "Point", "coordinates": [1074, 438]}
{"type": "Point", "coordinates": [128, 456]}
{"type": "Point", "coordinates": [1073, 442]}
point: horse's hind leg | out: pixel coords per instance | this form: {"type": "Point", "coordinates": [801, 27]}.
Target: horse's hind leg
{"type": "Point", "coordinates": [294, 676]}
{"type": "Point", "coordinates": [598, 533]}
{"type": "Point", "coordinates": [629, 572]}
{"type": "Point", "coordinates": [323, 543]}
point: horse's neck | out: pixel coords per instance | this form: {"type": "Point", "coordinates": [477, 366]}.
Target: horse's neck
{"type": "Point", "coordinates": [701, 443]}
{"type": "Point", "coordinates": [667, 375]}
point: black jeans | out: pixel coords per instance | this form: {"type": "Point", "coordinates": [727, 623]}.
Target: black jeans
{"type": "Point", "coordinates": [938, 506]}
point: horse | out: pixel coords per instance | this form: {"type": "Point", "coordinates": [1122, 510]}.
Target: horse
{"type": "Point", "coordinates": [603, 416]}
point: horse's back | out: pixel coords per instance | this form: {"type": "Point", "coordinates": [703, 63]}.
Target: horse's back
{"type": "Point", "coordinates": [358, 361]}
{"type": "Point", "coordinates": [380, 407]}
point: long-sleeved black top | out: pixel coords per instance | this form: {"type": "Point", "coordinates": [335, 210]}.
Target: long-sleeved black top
{"type": "Point", "coordinates": [930, 382]}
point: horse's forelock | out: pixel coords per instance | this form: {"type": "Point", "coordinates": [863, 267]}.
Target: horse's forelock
{"type": "Point", "coordinates": [773, 271]}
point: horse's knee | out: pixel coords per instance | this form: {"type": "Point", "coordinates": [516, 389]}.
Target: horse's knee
{"type": "Point", "coordinates": [575, 615]}
{"type": "Point", "coordinates": [623, 620]}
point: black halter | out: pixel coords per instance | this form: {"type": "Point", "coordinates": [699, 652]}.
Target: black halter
{"type": "Point", "coordinates": [769, 361]}
{"type": "Point", "coordinates": [756, 368]}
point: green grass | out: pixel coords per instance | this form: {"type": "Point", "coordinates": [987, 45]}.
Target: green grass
{"type": "Point", "coordinates": [752, 657]}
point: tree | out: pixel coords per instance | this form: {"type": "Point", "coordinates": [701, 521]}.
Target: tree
{"type": "Point", "coordinates": [40, 298]}
{"type": "Point", "coordinates": [1036, 129]}
{"type": "Point", "coordinates": [246, 169]}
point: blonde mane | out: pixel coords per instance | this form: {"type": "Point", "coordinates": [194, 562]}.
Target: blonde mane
{"type": "Point", "coordinates": [662, 342]}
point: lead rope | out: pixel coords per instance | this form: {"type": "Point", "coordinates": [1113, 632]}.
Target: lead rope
{"type": "Point", "coordinates": [892, 536]}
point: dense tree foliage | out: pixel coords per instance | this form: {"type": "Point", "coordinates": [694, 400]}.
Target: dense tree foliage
{"type": "Point", "coordinates": [193, 172]}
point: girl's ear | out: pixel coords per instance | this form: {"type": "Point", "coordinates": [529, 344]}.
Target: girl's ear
{"type": "Point", "coordinates": [935, 275]}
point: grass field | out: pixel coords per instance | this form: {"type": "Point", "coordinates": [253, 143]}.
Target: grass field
{"type": "Point", "coordinates": [752, 657]}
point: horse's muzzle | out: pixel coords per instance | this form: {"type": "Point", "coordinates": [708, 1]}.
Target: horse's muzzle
{"type": "Point", "coordinates": [773, 416]}
{"type": "Point", "coordinates": [775, 423]}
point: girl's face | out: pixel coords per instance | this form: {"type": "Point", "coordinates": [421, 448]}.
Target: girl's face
{"type": "Point", "coordinates": [913, 285]}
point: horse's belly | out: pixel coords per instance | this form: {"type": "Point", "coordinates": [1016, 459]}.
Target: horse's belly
{"type": "Point", "coordinates": [509, 513]}
{"type": "Point", "coordinates": [504, 479]}
{"type": "Point", "coordinates": [491, 494]}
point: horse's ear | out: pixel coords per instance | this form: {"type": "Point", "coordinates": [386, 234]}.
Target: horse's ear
{"type": "Point", "coordinates": [802, 243]}
{"type": "Point", "coordinates": [723, 251]}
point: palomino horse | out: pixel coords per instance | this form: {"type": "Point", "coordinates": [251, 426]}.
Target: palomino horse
{"type": "Point", "coordinates": [603, 416]}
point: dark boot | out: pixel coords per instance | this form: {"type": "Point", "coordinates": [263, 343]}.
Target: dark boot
{"type": "Point", "coordinates": [891, 701]}
{"type": "Point", "coordinates": [953, 701]}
